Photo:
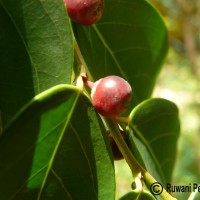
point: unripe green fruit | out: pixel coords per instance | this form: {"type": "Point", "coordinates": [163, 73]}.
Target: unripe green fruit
{"type": "Point", "coordinates": [86, 12]}
{"type": "Point", "coordinates": [111, 96]}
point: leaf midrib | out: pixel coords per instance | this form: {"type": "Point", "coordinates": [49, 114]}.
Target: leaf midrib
{"type": "Point", "coordinates": [110, 51]}
{"type": "Point", "coordinates": [57, 145]}
{"type": "Point", "coordinates": [144, 141]}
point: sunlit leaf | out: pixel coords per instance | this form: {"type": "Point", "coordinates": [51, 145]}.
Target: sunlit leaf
{"type": "Point", "coordinates": [56, 148]}
{"type": "Point", "coordinates": [36, 51]}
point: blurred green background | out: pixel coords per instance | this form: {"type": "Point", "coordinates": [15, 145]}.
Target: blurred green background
{"type": "Point", "coordinates": [178, 81]}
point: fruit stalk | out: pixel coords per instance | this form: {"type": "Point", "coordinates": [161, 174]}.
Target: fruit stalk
{"type": "Point", "coordinates": [135, 167]}
{"type": "Point", "coordinates": [88, 83]}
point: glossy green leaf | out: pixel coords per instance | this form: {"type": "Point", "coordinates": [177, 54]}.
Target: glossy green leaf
{"type": "Point", "coordinates": [36, 51]}
{"type": "Point", "coordinates": [56, 148]}
{"type": "Point", "coordinates": [130, 41]}
{"type": "Point", "coordinates": [154, 131]}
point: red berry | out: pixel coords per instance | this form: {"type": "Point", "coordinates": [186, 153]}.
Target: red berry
{"type": "Point", "coordinates": [117, 155]}
{"type": "Point", "coordinates": [111, 96]}
{"type": "Point", "coordinates": [86, 12]}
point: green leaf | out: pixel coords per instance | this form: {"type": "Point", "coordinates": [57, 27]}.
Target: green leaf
{"type": "Point", "coordinates": [138, 195]}
{"type": "Point", "coordinates": [36, 51]}
{"type": "Point", "coordinates": [130, 41]}
{"type": "Point", "coordinates": [154, 131]}
{"type": "Point", "coordinates": [56, 148]}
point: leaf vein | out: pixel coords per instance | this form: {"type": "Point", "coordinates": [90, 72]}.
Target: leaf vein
{"type": "Point", "coordinates": [156, 116]}
{"type": "Point", "coordinates": [57, 145]}
{"type": "Point", "coordinates": [85, 154]}
{"type": "Point", "coordinates": [26, 181]}
{"type": "Point", "coordinates": [61, 183]}
{"type": "Point", "coordinates": [25, 45]}
{"type": "Point", "coordinates": [145, 142]}
{"type": "Point", "coordinates": [167, 134]}
{"type": "Point", "coordinates": [110, 51]}
{"type": "Point", "coordinates": [134, 26]}
{"type": "Point", "coordinates": [136, 48]}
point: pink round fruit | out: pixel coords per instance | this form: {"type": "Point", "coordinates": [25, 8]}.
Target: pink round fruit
{"type": "Point", "coordinates": [111, 96]}
{"type": "Point", "coordinates": [86, 12]}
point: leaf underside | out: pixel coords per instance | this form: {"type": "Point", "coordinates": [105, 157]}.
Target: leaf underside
{"type": "Point", "coordinates": [154, 131]}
